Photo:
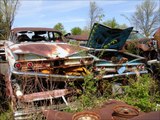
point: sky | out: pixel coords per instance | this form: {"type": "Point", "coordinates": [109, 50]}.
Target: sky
{"type": "Point", "coordinates": [71, 13]}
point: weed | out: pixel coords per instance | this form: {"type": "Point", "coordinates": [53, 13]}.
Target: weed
{"type": "Point", "coordinates": [142, 93]}
{"type": "Point", "coordinates": [7, 115]}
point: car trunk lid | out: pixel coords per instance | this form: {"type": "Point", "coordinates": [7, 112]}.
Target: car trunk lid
{"type": "Point", "coordinates": [105, 37]}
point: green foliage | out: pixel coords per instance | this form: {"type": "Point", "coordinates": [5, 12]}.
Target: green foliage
{"type": "Point", "coordinates": [2, 27]}
{"type": "Point", "coordinates": [89, 91]}
{"type": "Point", "coordinates": [74, 43]}
{"type": "Point", "coordinates": [88, 98]}
{"type": "Point", "coordinates": [76, 31]}
{"type": "Point", "coordinates": [113, 24]}
{"type": "Point", "coordinates": [85, 31]}
{"type": "Point", "coordinates": [60, 27]}
{"type": "Point", "coordinates": [132, 48]}
{"type": "Point", "coordinates": [107, 46]}
{"type": "Point", "coordinates": [141, 93]}
{"type": "Point", "coordinates": [6, 115]}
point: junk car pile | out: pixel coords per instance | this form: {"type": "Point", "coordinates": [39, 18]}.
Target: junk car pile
{"type": "Point", "coordinates": [41, 65]}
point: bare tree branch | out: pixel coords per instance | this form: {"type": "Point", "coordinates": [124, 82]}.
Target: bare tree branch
{"type": "Point", "coordinates": [95, 14]}
{"type": "Point", "coordinates": [8, 10]}
{"type": "Point", "coordinates": [146, 18]}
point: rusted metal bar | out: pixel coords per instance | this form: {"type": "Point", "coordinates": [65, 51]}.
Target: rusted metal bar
{"type": "Point", "coordinates": [44, 95]}
{"type": "Point", "coordinates": [33, 74]}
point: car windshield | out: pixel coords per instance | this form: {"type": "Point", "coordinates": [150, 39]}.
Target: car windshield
{"type": "Point", "coordinates": [33, 36]}
{"type": "Point", "coordinates": [135, 35]}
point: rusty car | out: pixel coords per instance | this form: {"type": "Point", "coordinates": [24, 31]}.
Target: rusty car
{"type": "Point", "coordinates": [156, 40]}
{"type": "Point", "coordinates": [108, 51]}
{"type": "Point", "coordinates": [40, 65]}
{"type": "Point", "coordinates": [107, 44]}
{"type": "Point", "coordinates": [141, 45]}
{"type": "Point", "coordinates": [77, 39]}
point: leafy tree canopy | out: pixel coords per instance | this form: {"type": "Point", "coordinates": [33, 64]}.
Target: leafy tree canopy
{"type": "Point", "coordinates": [60, 27]}
{"type": "Point", "coordinates": [76, 31]}
{"type": "Point", "coordinates": [113, 24]}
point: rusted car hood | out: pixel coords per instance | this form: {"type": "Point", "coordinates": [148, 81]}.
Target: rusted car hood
{"type": "Point", "coordinates": [102, 37]}
{"type": "Point", "coordinates": [51, 50]}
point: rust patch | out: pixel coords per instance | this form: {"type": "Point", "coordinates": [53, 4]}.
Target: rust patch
{"type": "Point", "coordinates": [105, 112]}
{"type": "Point", "coordinates": [44, 95]}
{"type": "Point", "coordinates": [49, 50]}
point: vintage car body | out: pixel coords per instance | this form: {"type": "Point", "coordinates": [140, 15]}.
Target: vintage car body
{"type": "Point", "coordinates": [139, 41]}
{"type": "Point", "coordinates": [107, 44]}
{"type": "Point", "coordinates": [39, 68]}
{"type": "Point", "coordinates": [80, 39]}
{"type": "Point", "coordinates": [136, 43]}
{"type": "Point", "coordinates": [115, 64]}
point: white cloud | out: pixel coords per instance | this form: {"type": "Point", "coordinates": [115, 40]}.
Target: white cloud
{"type": "Point", "coordinates": [48, 13]}
{"type": "Point", "coordinates": [65, 6]}
{"type": "Point", "coordinates": [110, 2]}
{"type": "Point", "coordinates": [39, 7]}
{"type": "Point", "coordinates": [28, 8]}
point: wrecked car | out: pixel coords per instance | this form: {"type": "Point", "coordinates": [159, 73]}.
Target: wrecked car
{"type": "Point", "coordinates": [156, 42]}
{"type": "Point", "coordinates": [78, 39]}
{"type": "Point", "coordinates": [141, 45]}
{"type": "Point", "coordinates": [107, 44]}
{"type": "Point", "coordinates": [154, 64]}
{"type": "Point", "coordinates": [40, 65]}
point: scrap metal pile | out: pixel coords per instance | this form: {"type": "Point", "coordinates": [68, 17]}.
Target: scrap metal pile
{"type": "Point", "coordinates": [41, 65]}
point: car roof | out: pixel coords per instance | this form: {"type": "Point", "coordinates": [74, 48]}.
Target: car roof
{"type": "Point", "coordinates": [20, 29]}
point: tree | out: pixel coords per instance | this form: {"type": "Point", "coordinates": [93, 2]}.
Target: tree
{"type": "Point", "coordinates": [76, 31]}
{"type": "Point", "coordinates": [95, 14]}
{"type": "Point", "coordinates": [146, 18]}
{"type": "Point", "coordinates": [8, 10]}
{"type": "Point", "coordinates": [85, 31]}
{"type": "Point", "coordinates": [113, 24]}
{"type": "Point", "coordinates": [60, 27]}
{"type": "Point", "coordinates": [1, 27]}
